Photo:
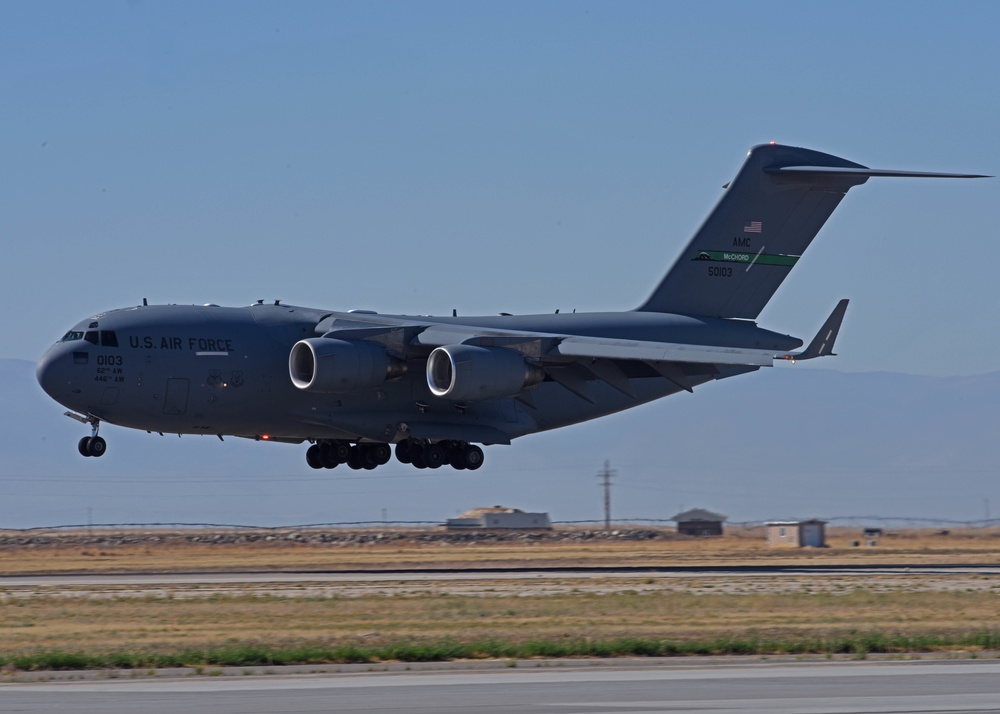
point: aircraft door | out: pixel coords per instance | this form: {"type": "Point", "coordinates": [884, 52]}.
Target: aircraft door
{"type": "Point", "coordinates": [176, 398]}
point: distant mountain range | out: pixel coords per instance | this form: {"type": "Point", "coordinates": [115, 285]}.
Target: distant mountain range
{"type": "Point", "coordinates": [785, 442]}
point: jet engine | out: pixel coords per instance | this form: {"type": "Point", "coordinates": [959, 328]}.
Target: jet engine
{"type": "Point", "coordinates": [467, 373]}
{"type": "Point", "coordinates": [326, 365]}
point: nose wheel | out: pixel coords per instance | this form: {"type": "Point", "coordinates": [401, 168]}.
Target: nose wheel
{"type": "Point", "coordinates": [92, 445]}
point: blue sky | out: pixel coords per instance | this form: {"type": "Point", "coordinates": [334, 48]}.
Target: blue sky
{"type": "Point", "coordinates": [486, 157]}
{"type": "Point", "coordinates": [419, 157]}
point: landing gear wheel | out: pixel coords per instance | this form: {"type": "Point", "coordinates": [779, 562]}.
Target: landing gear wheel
{"type": "Point", "coordinates": [327, 457]}
{"type": "Point", "coordinates": [84, 446]}
{"type": "Point", "coordinates": [314, 456]}
{"type": "Point", "coordinates": [416, 455]}
{"type": "Point", "coordinates": [381, 453]}
{"type": "Point", "coordinates": [367, 457]}
{"type": "Point", "coordinates": [403, 453]}
{"type": "Point", "coordinates": [472, 456]}
{"type": "Point", "coordinates": [97, 446]}
{"type": "Point", "coordinates": [435, 456]}
{"type": "Point", "coordinates": [456, 455]}
{"type": "Point", "coordinates": [341, 451]}
{"type": "Point", "coordinates": [355, 460]}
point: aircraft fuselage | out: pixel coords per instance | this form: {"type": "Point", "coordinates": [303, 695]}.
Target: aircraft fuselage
{"type": "Point", "coordinates": [224, 371]}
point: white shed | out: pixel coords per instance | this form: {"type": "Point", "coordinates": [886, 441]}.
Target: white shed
{"type": "Point", "coordinates": [797, 534]}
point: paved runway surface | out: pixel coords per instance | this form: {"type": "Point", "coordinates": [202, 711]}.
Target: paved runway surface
{"type": "Point", "coordinates": [803, 688]}
{"type": "Point", "coordinates": [480, 574]}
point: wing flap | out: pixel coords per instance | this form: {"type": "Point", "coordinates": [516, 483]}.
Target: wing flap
{"type": "Point", "coordinates": [604, 348]}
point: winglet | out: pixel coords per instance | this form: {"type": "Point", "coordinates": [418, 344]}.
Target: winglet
{"type": "Point", "coordinates": [822, 343]}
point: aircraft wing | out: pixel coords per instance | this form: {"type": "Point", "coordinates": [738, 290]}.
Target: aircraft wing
{"type": "Point", "coordinates": [553, 347]}
{"type": "Point", "coordinates": [409, 335]}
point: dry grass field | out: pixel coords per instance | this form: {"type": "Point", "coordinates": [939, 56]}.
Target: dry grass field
{"type": "Point", "coordinates": [695, 608]}
{"type": "Point", "coordinates": [170, 555]}
{"type": "Point", "coordinates": [159, 623]}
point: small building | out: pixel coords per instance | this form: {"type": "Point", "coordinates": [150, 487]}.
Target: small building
{"type": "Point", "coordinates": [699, 522]}
{"type": "Point", "coordinates": [797, 534]}
{"type": "Point", "coordinates": [499, 517]}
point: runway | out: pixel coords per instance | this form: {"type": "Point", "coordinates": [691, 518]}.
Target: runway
{"type": "Point", "coordinates": [455, 575]}
{"type": "Point", "coordinates": [569, 687]}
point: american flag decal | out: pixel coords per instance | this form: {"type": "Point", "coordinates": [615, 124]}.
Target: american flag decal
{"type": "Point", "coordinates": [752, 227]}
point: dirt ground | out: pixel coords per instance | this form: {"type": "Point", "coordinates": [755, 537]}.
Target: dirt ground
{"type": "Point", "coordinates": [227, 551]}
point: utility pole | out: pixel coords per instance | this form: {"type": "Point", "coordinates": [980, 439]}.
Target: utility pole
{"type": "Point", "coordinates": [606, 475]}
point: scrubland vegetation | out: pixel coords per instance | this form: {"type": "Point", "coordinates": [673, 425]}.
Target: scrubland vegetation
{"type": "Point", "coordinates": [266, 624]}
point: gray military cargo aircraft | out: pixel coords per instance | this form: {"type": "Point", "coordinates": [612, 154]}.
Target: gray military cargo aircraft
{"type": "Point", "coordinates": [354, 383]}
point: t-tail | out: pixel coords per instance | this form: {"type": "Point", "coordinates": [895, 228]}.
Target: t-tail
{"type": "Point", "coordinates": [768, 216]}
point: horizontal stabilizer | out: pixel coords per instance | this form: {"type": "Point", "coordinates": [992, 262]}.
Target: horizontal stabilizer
{"type": "Point", "coordinates": [865, 172]}
{"type": "Point", "coordinates": [822, 343]}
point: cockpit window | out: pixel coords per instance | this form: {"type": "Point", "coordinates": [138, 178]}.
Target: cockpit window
{"type": "Point", "coordinates": [105, 338]}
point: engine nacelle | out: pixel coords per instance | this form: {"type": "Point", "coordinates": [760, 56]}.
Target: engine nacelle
{"type": "Point", "coordinates": [467, 373]}
{"type": "Point", "coordinates": [326, 365]}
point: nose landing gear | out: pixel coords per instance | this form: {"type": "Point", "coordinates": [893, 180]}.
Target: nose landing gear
{"type": "Point", "coordinates": [92, 445]}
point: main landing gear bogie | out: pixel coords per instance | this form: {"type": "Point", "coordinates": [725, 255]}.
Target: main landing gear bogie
{"type": "Point", "coordinates": [330, 454]}
{"type": "Point", "coordinates": [459, 454]}
{"type": "Point", "coordinates": [367, 456]}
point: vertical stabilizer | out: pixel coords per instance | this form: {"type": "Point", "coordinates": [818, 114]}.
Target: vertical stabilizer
{"type": "Point", "coordinates": [756, 233]}
{"type": "Point", "coordinates": [766, 219]}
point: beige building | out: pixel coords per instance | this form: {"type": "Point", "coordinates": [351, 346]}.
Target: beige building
{"type": "Point", "coordinates": [499, 517]}
{"type": "Point", "coordinates": [797, 534]}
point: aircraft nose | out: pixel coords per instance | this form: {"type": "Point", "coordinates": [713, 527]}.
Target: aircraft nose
{"type": "Point", "coordinates": [52, 373]}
